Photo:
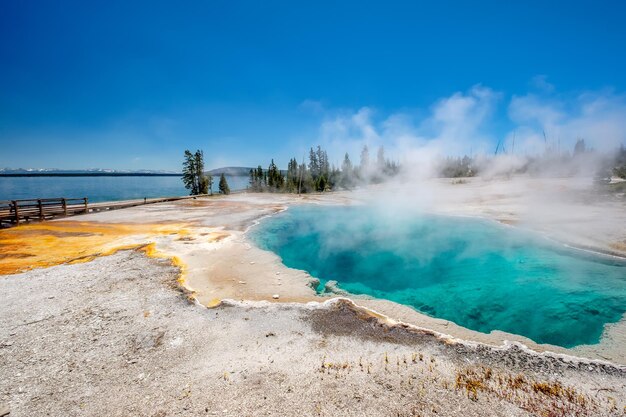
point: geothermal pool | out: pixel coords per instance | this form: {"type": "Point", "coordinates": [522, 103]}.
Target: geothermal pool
{"type": "Point", "coordinates": [476, 273]}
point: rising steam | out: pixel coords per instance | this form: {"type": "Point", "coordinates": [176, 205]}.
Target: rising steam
{"type": "Point", "coordinates": [541, 133]}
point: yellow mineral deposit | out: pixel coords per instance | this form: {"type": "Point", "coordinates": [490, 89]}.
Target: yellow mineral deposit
{"type": "Point", "coordinates": [41, 245]}
{"type": "Point", "coordinates": [151, 251]}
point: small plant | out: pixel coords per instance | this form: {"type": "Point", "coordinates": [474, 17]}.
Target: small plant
{"type": "Point", "coordinates": [471, 385]}
{"type": "Point", "coordinates": [516, 382]}
{"type": "Point", "coordinates": [546, 388]}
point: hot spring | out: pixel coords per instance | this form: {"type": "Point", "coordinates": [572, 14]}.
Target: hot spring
{"type": "Point", "coordinates": [476, 273]}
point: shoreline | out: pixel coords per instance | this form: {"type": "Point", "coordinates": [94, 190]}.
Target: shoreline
{"type": "Point", "coordinates": [441, 337]}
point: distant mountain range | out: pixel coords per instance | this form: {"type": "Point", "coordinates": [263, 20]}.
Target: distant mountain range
{"type": "Point", "coordinates": [52, 172]}
{"type": "Point", "coordinates": [31, 172]}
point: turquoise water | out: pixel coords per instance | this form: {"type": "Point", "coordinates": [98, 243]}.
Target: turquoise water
{"type": "Point", "coordinates": [102, 188]}
{"type": "Point", "coordinates": [476, 273]}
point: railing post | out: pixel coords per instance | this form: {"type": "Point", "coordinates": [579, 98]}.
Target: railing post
{"type": "Point", "coordinates": [40, 209]}
{"type": "Point", "coordinates": [64, 203]}
{"type": "Point", "coordinates": [17, 212]}
{"type": "Point", "coordinates": [86, 207]}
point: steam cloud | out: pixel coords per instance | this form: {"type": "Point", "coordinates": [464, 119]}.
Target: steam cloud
{"type": "Point", "coordinates": [540, 123]}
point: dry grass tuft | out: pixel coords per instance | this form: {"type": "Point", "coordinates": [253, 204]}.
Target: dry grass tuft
{"type": "Point", "coordinates": [544, 398]}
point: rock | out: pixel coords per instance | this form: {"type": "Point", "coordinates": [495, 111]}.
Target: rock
{"type": "Point", "coordinates": [275, 296]}
{"type": "Point", "coordinates": [332, 287]}
{"type": "Point", "coordinates": [4, 410]}
{"type": "Point", "coordinates": [149, 339]}
{"type": "Point", "coordinates": [314, 283]}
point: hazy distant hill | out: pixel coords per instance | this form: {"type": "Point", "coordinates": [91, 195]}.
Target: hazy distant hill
{"type": "Point", "coordinates": [233, 171]}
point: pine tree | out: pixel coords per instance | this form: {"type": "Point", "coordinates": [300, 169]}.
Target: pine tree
{"type": "Point", "coordinates": [321, 183]}
{"type": "Point", "coordinates": [275, 179]}
{"type": "Point", "coordinates": [347, 173]}
{"type": "Point", "coordinates": [194, 177]}
{"type": "Point", "coordinates": [305, 182]}
{"type": "Point", "coordinates": [365, 162]}
{"type": "Point", "coordinates": [380, 159]}
{"type": "Point", "coordinates": [314, 166]}
{"type": "Point", "coordinates": [292, 176]}
{"type": "Point", "coordinates": [334, 177]}
{"type": "Point", "coordinates": [271, 175]}
{"type": "Point", "coordinates": [256, 179]}
{"type": "Point", "coordinates": [346, 166]}
{"type": "Point", "coordinates": [199, 167]}
{"type": "Point", "coordinates": [322, 161]}
{"type": "Point", "coordinates": [252, 180]}
{"type": "Point", "coordinates": [580, 147]}
{"type": "Point", "coordinates": [280, 180]}
{"type": "Point", "coordinates": [223, 185]}
{"type": "Point", "coordinates": [189, 173]}
{"type": "Point", "coordinates": [204, 182]}
{"type": "Point", "coordinates": [260, 177]}
{"type": "Point", "coordinates": [391, 168]}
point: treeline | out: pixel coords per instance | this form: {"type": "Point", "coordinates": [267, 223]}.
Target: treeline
{"type": "Point", "coordinates": [319, 175]}
{"type": "Point", "coordinates": [457, 167]}
{"type": "Point", "coordinates": [553, 162]}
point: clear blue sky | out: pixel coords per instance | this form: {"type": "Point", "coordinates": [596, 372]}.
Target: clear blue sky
{"type": "Point", "coordinates": [119, 84]}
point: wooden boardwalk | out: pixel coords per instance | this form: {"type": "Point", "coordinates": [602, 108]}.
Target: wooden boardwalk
{"type": "Point", "coordinates": [13, 212]}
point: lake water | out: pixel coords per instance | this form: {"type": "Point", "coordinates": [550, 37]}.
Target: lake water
{"type": "Point", "coordinates": [476, 273]}
{"type": "Point", "coordinates": [102, 188]}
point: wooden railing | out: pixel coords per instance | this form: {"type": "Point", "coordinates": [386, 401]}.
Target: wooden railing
{"type": "Point", "coordinates": [15, 211]}
{"type": "Point", "coordinates": [12, 212]}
